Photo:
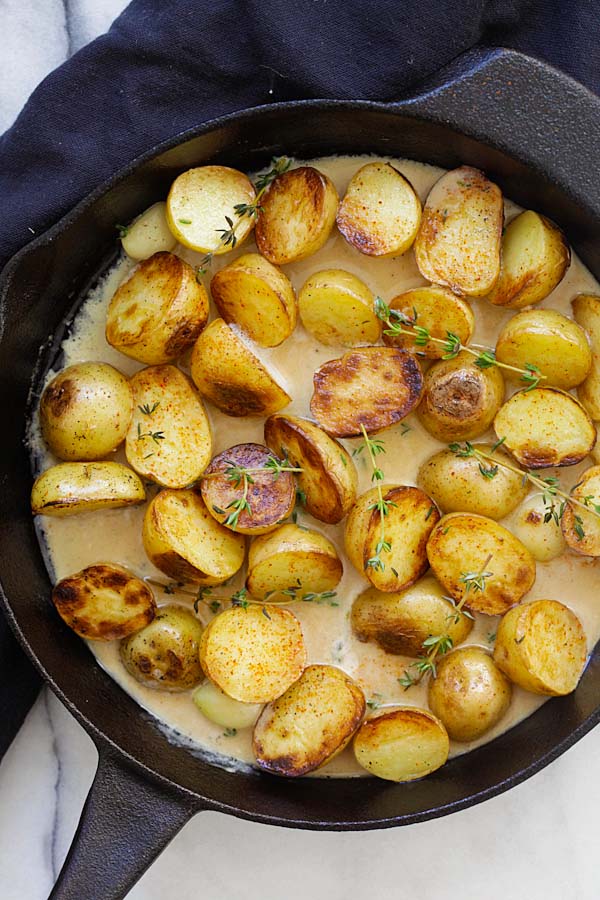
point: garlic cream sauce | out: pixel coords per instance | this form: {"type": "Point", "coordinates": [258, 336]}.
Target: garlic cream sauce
{"type": "Point", "coordinates": [116, 535]}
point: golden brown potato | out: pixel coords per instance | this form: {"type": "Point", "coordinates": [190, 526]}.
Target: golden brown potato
{"type": "Point", "coordinates": [169, 438]}
{"type": "Point", "coordinates": [541, 646]}
{"type": "Point", "coordinates": [253, 653]}
{"type": "Point", "coordinates": [410, 519]}
{"type": "Point", "coordinates": [545, 427]}
{"type": "Point", "coordinates": [586, 310]}
{"type": "Point", "coordinates": [336, 307]}
{"type": "Point", "coordinates": [223, 710]}
{"type": "Point", "coordinates": [458, 484]}
{"type": "Point", "coordinates": [185, 542]}
{"type": "Point", "coordinates": [85, 411]}
{"type": "Point", "coordinates": [158, 311]}
{"type": "Point", "coordinates": [538, 531]}
{"type": "Point", "coordinates": [460, 400]}
{"type": "Point", "coordinates": [375, 387]}
{"type": "Point", "coordinates": [270, 497]}
{"type": "Point", "coordinates": [290, 563]}
{"type": "Point", "coordinates": [257, 296]}
{"type": "Point", "coordinates": [381, 213]}
{"type": "Point", "coordinates": [328, 479]}
{"type": "Point", "coordinates": [310, 724]}
{"type": "Point", "coordinates": [297, 215]}
{"type": "Point", "coordinates": [469, 693]}
{"type": "Point", "coordinates": [402, 744]}
{"type": "Point", "coordinates": [71, 488]}
{"type": "Point", "coordinates": [438, 310]}
{"type": "Point", "coordinates": [463, 545]}
{"type": "Point", "coordinates": [458, 244]}
{"type": "Point", "coordinates": [164, 654]}
{"type": "Point", "coordinates": [534, 257]}
{"type": "Point", "coordinates": [148, 234]}
{"type": "Point", "coordinates": [104, 602]}
{"type": "Point", "coordinates": [546, 339]}
{"type": "Point", "coordinates": [400, 622]}
{"type": "Point", "coordinates": [228, 374]}
{"type": "Point", "coordinates": [202, 202]}
{"type": "Point", "coordinates": [581, 527]}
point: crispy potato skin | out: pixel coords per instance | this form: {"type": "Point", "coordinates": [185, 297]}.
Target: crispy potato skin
{"type": "Point", "coordinates": [217, 707]}
{"type": "Point", "coordinates": [375, 387]}
{"type": "Point", "coordinates": [68, 489]}
{"type": "Point", "coordinates": [149, 234]}
{"type": "Point", "coordinates": [271, 497]}
{"type": "Point", "coordinates": [461, 543]}
{"type": "Point", "coordinates": [310, 724]}
{"type": "Point", "coordinates": [541, 646]}
{"type": "Point", "coordinates": [329, 478]}
{"type": "Point", "coordinates": [586, 311]}
{"type": "Point", "coordinates": [104, 602]}
{"type": "Point", "coordinates": [164, 654]}
{"type": "Point", "coordinates": [438, 310]}
{"type": "Point", "coordinates": [336, 307]}
{"type": "Point", "coordinates": [588, 488]}
{"type": "Point", "coordinates": [545, 427]}
{"type": "Point", "coordinates": [544, 540]}
{"type": "Point", "coordinates": [401, 744]}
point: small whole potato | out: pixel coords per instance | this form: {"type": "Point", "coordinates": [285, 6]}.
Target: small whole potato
{"type": "Point", "coordinates": [223, 710]}
{"type": "Point", "coordinates": [469, 693]}
{"type": "Point", "coordinates": [336, 307]}
{"type": "Point", "coordinates": [581, 527]}
{"type": "Point", "coordinates": [533, 524]}
{"type": "Point", "coordinates": [85, 411]}
{"type": "Point", "coordinates": [165, 654]}
{"type": "Point", "coordinates": [439, 311]}
{"type": "Point", "coordinates": [148, 234]}
{"type": "Point", "coordinates": [401, 744]}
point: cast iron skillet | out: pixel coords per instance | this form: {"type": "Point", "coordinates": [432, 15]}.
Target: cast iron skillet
{"type": "Point", "coordinates": [536, 133]}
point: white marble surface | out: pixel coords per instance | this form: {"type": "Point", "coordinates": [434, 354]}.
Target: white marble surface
{"type": "Point", "coordinates": [539, 841]}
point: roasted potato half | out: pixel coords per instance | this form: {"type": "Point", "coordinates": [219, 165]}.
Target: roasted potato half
{"type": "Point", "coordinates": [541, 646]}
{"type": "Point", "coordinates": [328, 479]}
{"type": "Point", "coordinates": [458, 243]}
{"type": "Point", "coordinates": [463, 545]}
{"type": "Point", "coordinates": [223, 710]}
{"type": "Point", "coordinates": [374, 387]}
{"type": "Point", "coordinates": [104, 602]}
{"type": "Point", "coordinates": [536, 529]}
{"type": "Point", "coordinates": [158, 311]}
{"type": "Point", "coordinates": [336, 307]}
{"type": "Point", "coordinates": [169, 439]}
{"type": "Point", "coordinates": [469, 693]}
{"type": "Point", "coordinates": [310, 724]}
{"type": "Point", "coordinates": [71, 488]}
{"type": "Point", "coordinates": [257, 296]}
{"type": "Point", "coordinates": [184, 541]}
{"type": "Point", "coordinates": [534, 258]}
{"type": "Point", "coordinates": [297, 215]}
{"type": "Point", "coordinates": [148, 234]}
{"type": "Point", "coordinates": [381, 213]}
{"type": "Point", "coordinates": [250, 505]}
{"type": "Point", "coordinates": [410, 519]}
{"type": "Point", "coordinates": [85, 411]}
{"type": "Point", "coordinates": [164, 654]}
{"type": "Point", "coordinates": [459, 399]}
{"type": "Point", "coordinates": [402, 744]}
{"type": "Point", "coordinates": [586, 310]}
{"type": "Point", "coordinates": [253, 654]}
{"type": "Point", "coordinates": [400, 622]}
{"type": "Point", "coordinates": [439, 311]}
{"type": "Point", "coordinates": [228, 374]}
{"type": "Point", "coordinates": [290, 563]}
{"type": "Point", "coordinates": [545, 427]}
{"type": "Point", "coordinates": [581, 527]}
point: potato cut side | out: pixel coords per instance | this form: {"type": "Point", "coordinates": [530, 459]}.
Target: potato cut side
{"type": "Point", "coordinates": [271, 495]}
{"type": "Point", "coordinates": [463, 545]}
{"type": "Point", "coordinates": [402, 744]}
{"type": "Point", "coordinates": [185, 542]}
{"type": "Point", "coordinates": [458, 244]}
{"type": "Point", "coordinates": [310, 724]}
{"type": "Point", "coordinates": [439, 311]}
{"type": "Point", "coordinates": [200, 203]}
{"type": "Point", "coordinates": [68, 489]}
{"type": "Point", "coordinates": [223, 710]}
{"type": "Point", "coordinates": [328, 479]}
{"type": "Point", "coordinates": [381, 213]}
{"type": "Point", "coordinates": [297, 215]}
{"type": "Point", "coordinates": [165, 654]}
{"type": "Point", "coordinates": [534, 259]}
{"type": "Point", "coordinates": [581, 527]}
{"type": "Point", "coordinates": [104, 602]}
{"type": "Point", "coordinates": [410, 519]}
{"type": "Point", "coordinates": [254, 294]}
{"type": "Point", "coordinates": [158, 311]}
{"type": "Point", "coordinates": [148, 234]}
{"type": "Point", "coordinates": [375, 387]}
{"type": "Point", "coordinates": [253, 654]}
{"type": "Point", "coordinates": [169, 439]}
{"type": "Point", "coordinates": [542, 647]}
{"type": "Point", "coordinates": [336, 307]}
{"type": "Point", "coordinates": [586, 310]}
{"type": "Point", "coordinates": [545, 427]}
{"type": "Point", "coordinates": [228, 374]}
{"type": "Point", "coordinates": [541, 535]}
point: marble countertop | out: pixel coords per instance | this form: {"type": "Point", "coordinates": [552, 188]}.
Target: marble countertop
{"type": "Point", "coordinates": [539, 841]}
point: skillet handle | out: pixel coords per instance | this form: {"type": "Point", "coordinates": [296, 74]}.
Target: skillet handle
{"type": "Point", "coordinates": [126, 822]}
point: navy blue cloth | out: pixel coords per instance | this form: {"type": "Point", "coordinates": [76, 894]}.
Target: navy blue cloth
{"type": "Point", "coordinates": [167, 65]}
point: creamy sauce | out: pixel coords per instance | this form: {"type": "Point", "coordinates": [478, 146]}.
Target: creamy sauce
{"type": "Point", "coordinates": [115, 535]}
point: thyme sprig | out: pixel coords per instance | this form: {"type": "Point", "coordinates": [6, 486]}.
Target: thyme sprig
{"type": "Point", "coordinates": [242, 476]}
{"type": "Point", "coordinates": [157, 436]}
{"type": "Point", "coordinates": [294, 592]}
{"type": "Point", "coordinates": [374, 448]}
